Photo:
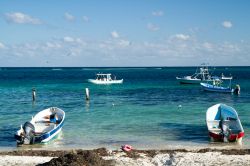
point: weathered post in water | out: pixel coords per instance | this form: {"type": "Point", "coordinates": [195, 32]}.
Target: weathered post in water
{"type": "Point", "coordinates": [87, 94]}
{"type": "Point", "coordinates": [34, 94]}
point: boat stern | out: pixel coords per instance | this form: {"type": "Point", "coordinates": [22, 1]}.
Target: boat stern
{"type": "Point", "coordinates": [215, 136]}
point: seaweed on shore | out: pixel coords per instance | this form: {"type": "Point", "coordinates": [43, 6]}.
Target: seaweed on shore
{"type": "Point", "coordinates": [226, 151]}
{"type": "Point", "coordinates": [77, 157]}
{"type": "Point", "coordinates": [236, 152]}
{"type": "Point", "coordinates": [35, 153]}
{"type": "Point", "coordinates": [133, 154]}
{"type": "Point", "coordinates": [80, 158]}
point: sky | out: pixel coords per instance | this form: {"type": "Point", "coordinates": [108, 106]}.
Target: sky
{"type": "Point", "coordinates": [124, 33]}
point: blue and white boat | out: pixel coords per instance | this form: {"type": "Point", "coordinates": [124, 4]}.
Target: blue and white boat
{"type": "Point", "coordinates": [218, 87]}
{"type": "Point", "coordinates": [43, 127]}
{"type": "Point", "coordinates": [215, 88]}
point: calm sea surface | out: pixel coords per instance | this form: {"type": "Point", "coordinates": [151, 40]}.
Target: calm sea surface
{"type": "Point", "coordinates": [149, 110]}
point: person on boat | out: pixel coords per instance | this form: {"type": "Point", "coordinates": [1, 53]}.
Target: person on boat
{"type": "Point", "coordinates": [53, 118]}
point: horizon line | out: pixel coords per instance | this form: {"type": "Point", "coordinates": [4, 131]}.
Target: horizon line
{"type": "Point", "coordinates": [118, 66]}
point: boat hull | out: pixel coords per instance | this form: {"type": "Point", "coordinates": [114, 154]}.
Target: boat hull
{"type": "Point", "coordinates": [231, 138]}
{"type": "Point", "coordinates": [191, 81]}
{"type": "Point", "coordinates": [213, 88]}
{"type": "Point", "coordinates": [49, 135]}
{"type": "Point", "coordinates": [95, 81]}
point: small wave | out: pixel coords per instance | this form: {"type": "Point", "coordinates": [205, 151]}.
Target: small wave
{"type": "Point", "coordinates": [56, 69]}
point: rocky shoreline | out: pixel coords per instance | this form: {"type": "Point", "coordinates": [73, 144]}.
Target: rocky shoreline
{"type": "Point", "coordinates": [104, 157]}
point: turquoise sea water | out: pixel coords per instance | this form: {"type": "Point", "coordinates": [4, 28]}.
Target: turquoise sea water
{"type": "Point", "coordinates": [149, 110]}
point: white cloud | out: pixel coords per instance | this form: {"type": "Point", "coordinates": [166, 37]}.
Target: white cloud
{"type": "Point", "coordinates": [68, 39]}
{"type": "Point", "coordinates": [53, 45]}
{"type": "Point", "coordinates": [227, 24]}
{"type": "Point", "coordinates": [124, 43]}
{"type": "Point", "coordinates": [115, 34]}
{"type": "Point", "coordinates": [181, 37]}
{"type": "Point", "coordinates": [80, 42]}
{"type": "Point", "coordinates": [208, 46]}
{"type": "Point", "coordinates": [158, 13]}
{"type": "Point", "coordinates": [21, 18]}
{"type": "Point", "coordinates": [69, 17]}
{"type": "Point", "coordinates": [2, 46]}
{"type": "Point", "coordinates": [69, 51]}
{"type": "Point", "coordinates": [85, 18]}
{"type": "Point", "coordinates": [152, 27]}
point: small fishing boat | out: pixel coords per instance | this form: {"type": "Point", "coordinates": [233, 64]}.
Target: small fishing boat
{"type": "Point", "coordinates": [217, 86]}
{"type": "Point", "coordinates": [224, 124]}
{"type": "Point", "coordinates": [202, 75]}
{"type": "Point", "coordinates": [43, 127]}
{"type": "Point", "coordinates": [105, 79]}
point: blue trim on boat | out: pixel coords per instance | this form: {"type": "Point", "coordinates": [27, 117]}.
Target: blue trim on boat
{"type": "Point", "coordinates": [209, 87]}
{"type": "Point", "coordinates": [48, 134]}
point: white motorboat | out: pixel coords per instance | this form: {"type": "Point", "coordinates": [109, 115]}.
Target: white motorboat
{"type": "Point", "coordinates": [202, 75]}
{"type": "Point", "coordinates": [224, 124]}
{"type": "Point", "coordinates": [43, 127]}
{"type": "Point", "coordinates": [105, 79]}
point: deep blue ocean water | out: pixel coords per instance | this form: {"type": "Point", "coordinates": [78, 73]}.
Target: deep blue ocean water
{"type": "Point", "coordinates": [149, 110]}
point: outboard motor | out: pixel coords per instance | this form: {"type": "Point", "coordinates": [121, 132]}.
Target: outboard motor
{"type": "Point", "coordinates": [237, 90]}
{"type": "Point", "coordinates": [225, 132]}
{"type": "Point", "coordinates": [28, 135]}
{"type": "Point", "coordinates": [29, 130]}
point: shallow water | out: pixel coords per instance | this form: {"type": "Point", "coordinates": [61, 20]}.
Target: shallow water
{"type": "Point", "coordinates": [149, 110]}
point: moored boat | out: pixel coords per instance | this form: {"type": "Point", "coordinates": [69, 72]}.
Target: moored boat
{"type": "Point", "coordinates": [201, 75]}
{"type": "Point", "coordinates": [43, 127]}
{"type": "Point", "coordinates": [217, 86]}
{"type": "Point", "coordinates": [224, 124]}
{"type": "Point", "coordinates": [105, 79]}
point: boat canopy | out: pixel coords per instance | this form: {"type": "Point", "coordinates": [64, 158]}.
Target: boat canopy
{"type": "Point", "coordinates": [103, 76]}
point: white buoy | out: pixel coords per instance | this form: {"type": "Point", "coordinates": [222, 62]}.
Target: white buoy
{"type": "Point", "coordinates": [33, 94]}
{"type": "Point", "coordinates": [87, 93]}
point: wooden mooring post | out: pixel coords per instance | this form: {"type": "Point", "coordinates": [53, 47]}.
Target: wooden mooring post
{"type": "Point", "coordinates": [87, 94]}
{"type": "Point", "coordinates": [33, 94]}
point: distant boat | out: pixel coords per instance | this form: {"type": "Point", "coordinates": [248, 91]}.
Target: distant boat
{"type": "Point", "coordinates": [43, 127]}
{"type": "Point", "coordinates": [202, 75]}
{"type": "Point", "coordinates": [224, 124]}
{"type": "Point", "coordinates": [217, 86]}
{"type": "Point", "coordinates": [105, 79]}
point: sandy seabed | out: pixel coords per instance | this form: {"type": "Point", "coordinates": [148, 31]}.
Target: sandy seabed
{"type": "Point", "coordinates": [102, 156]}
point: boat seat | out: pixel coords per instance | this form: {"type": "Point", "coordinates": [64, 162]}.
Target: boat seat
{"type": "Point", "coordinates": [213, 123]}
{"type": "Point", "coordinates": [39, 133]}
{"type": "Point", "coordinates": [216, 130]}
{"type": "Point", "coordinates": [44, 127]}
